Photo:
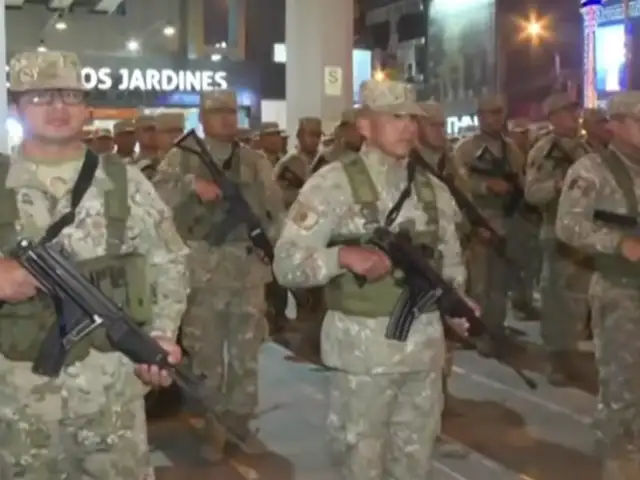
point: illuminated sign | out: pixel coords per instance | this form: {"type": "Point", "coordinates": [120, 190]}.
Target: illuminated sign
{"type": "Point", "coordinates": [154, 80]}
{"type": "Point", "coordinates": [456, 125]}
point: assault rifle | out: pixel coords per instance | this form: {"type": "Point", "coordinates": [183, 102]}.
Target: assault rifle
{"type": "Point", "coordinates": [85, 309]}
{"type": "Point", "coordinates": [475, 218]}
{"type": "Point", "coordinates": [619, 220]}
{"type": "Point", "coordinates": [489, 165]}
{"type": "Point", "coordinates": [239, 211]}
{"type": "Point", "coordinates": [425, 289]}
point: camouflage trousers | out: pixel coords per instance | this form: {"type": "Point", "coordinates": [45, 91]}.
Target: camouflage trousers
{"type": "Point", "coordinates": [564, 285]}
{"type": "Point", "coordinates": [488, 282]}
{"type": "Point", "coordinates": [617, 339]}
{"type": "Point", "coordinates": [110, 444]}
{"type": "Point", "coordinates": [222, 332]}
{"type": "Point", "coordinates": [524, 247]}
{"type": "Point", "coordinates": [383, 427]}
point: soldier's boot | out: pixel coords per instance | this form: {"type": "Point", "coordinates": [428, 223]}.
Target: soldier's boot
{"type": "Point", "coordinates": [559, 374]}
{"type": "Point", "coordinates": [215, 441]}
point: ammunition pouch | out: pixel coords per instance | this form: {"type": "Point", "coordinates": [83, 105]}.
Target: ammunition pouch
{"type": "Point", "coordinates": [24, 326]}
{"type": "Point", "coordinates": [373, 299]}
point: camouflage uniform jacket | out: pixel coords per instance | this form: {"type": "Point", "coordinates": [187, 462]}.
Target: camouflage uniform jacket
{"type": "Point", "coordinates": [324, 209]}
{"type": "Point", "coordinates": [230, 264]}
{"type": "Point", "coordinates": [589, 186]}
{"type": "Point", "coordinates": [544, 176]}
{"type": "Point", "coordinates": [80, 388]}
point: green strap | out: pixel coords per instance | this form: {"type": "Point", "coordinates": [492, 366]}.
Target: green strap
{"type": "Point", "coordinates": [116, 205]}
{"type": "Point", "coordinates": [623, 179]}
{"type": "Point", "coordinates": [363, 188]}
{"type": "Point", "coordinates": [8, 209]}
{"type": "Point", "coordinates": [426, 196]}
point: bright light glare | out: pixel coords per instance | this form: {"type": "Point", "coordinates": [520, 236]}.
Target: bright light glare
{"type": "Point", "coordinates": [42, 48]}
{"type": "Point", "coordinates": [216, 57]}
{"type": "Point", "coordinates": [61, 25]}
{"type": "Point", "coordinates": [133, 45]}
{"type": "Point", "coordinates": [379, 76]}
{"type": "Point", "coordinates": [534, 28]}
{"type": "Point", "coordinates": [169, 31]}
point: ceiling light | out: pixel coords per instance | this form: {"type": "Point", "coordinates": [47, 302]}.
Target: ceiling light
{"type": "Point", "coordinates": [216, 57]}
{"type": "Point", "coordinates": [61, 25]}
{"type": "Point", "coordinates": [169, 31]}
{"type": "Point", "coordinates": [42, 48]}
{"type": "Point", "coordinates": [133, 45]}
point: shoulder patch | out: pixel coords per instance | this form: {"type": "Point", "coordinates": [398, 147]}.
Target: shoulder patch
{"type": "Point", "coordinates": [582, 184]}
{"type": "Point", "coordinates": [303, 215]}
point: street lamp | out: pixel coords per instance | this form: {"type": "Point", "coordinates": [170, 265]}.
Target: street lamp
{"type": "Point", "coordinates": [534, 28]}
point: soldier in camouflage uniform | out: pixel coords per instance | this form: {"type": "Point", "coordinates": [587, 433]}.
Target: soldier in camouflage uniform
{"type": "Point", "coordinates": [226, 307]}
{"type": "Point", "coordinates": [609, 181]}
{"type": "Point", "coordinates": [566, 272]}
{"type": "Point", "coordinates": [594, 123]}
{"type": "Point", "coordinates": [294, 169]}
{"type": "Point", "coordinates": [124, 137]}
{"type": "Point", "coordinates": [386, 398]}
{"type": "Point", "coordinates": [523, 237]}
{"type": "Point", "coordinates": [270, 139]}
{"type": "Point", "coordinates": [102, 142]}
{"type": "Point", "coordinates": [146, 136]}
{"type": "Point", "coordinates": [88, 423]}
{"type": "Point", "coordinates": [169, 126]}
{"type": "Point", "coordinates": [346, 139]}
{"type": "Point", "coordinates": [488, 273]}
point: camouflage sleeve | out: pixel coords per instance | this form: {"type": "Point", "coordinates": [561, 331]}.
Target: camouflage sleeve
{"type": "Point", "coordinates": [517, 161]}
{"type": "Point", "coordinates": [154, 235]}
{"type": "Point", "coordinates": [170, 182]}
{"type": "Point", "coordinates": [462, 157]}
{"type": "Point", "coordinates": [273, 195]}
{"type": "Point", "coordinates": [302, 258]}
{"type": "Point", "coordinates": [449, 218]}
{"type": "Point", "coordinates": [574, 224]}
{"type": "Point", "coordinates": [541, 177]}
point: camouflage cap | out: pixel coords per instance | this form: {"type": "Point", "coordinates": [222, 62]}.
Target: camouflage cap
{"type": "Point", "coordinates": [519, 125]}
{"type": "Point", "coordinates": [146, 121]}
{"type": "Point", "coordinates": [625, 104]}
{"type": "Point", "coordinates": [170, 121]}
{"type": "Point", "coordinates": [433, 111]}
{"type": "Point", "coordinates": [558, 101]}
{"type": "Point", "coordinates": [102, 133]}
{"type": "Point", "coordinates": [594, 115]}
{"type": "Point", "coordinates": [219, 100]}
{"type": "Point", "coordinates": [44, 71]}
{"type": "Point", "coordinates": [123, 126]}
{"type": "Point", "coordinates": [491, 103]}
{"type": "Point", "coordinates": [310, 123]}
{"type": "Point", "coordinates": [269, 127]}
{"type": "Point", "coordinates": [389, 96]}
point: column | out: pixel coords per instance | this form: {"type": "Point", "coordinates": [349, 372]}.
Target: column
{"type": "Point", "coordinates": [319, 69]}
{"type": "Point", "coordinates": [237, 37]}
{"type": "Point", "coordinates": [4, 106]}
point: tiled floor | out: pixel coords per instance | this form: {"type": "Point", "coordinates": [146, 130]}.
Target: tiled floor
{"type": "Point", "coordinates": [499, 430]}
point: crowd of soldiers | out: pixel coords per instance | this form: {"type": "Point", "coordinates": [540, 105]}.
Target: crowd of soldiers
{"type": "Point", "coordinates": [208, 279]}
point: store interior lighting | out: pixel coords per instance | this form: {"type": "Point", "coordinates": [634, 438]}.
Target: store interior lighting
{"type": "Point", "coordinates": [133, 45]}
{"type": "Point", "coordinates": [169, 31]}
{"type": "Point", "coordinates": [216, 57]}
{"type": "Point", "coordinates": [41, 47]}
{"type": "Point", "coordinates": [60, 25]}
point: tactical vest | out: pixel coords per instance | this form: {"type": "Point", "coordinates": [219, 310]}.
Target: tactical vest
{"type": "Point", "coordinates": [211, 221]}
{"type": "Point", "coordinates": [377, 299]}
{"type": "Point", "coordinates": [122, 277]}
{"type": "Point", "coordinates": [614, 267]}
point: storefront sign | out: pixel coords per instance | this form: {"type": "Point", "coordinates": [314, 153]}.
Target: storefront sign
{"type": "Point", "coordinates": [154, 80]}
{"type": "Point", "coordinates": [457, 125]}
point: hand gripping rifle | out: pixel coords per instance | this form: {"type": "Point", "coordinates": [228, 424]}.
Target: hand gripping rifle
{"type": "Point", "coordinates": [82, 309]}
{"type": "Point", "coordinates": [426, 289]}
